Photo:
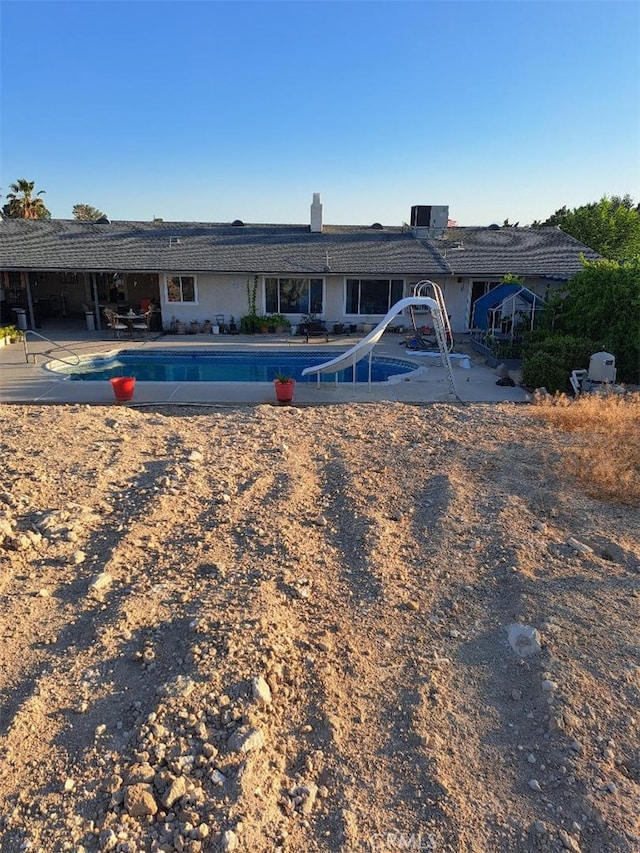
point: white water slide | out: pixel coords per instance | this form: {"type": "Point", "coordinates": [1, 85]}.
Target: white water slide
{"type": "Point", "coordinates": [365, 347]}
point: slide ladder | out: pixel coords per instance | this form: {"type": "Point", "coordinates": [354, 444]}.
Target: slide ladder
{"type": "Point", "coordinates": [364, 347]}
{"type": "Point", "coordinates": [422, 288]}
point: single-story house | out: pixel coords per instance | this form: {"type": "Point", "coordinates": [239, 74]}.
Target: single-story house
{"type": "Point", "coordinates": [347, 274]}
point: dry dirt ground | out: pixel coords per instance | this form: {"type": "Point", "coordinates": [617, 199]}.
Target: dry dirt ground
{"type": "Point", "coordinates": [265, 629]}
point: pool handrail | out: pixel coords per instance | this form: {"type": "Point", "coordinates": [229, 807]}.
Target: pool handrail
{"type": "Point", "coordinates": [56, 345]}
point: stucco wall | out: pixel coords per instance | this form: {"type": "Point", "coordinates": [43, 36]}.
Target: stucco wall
{"type": "Point", "coordinates": [227, 295]}
{"type": "Point", "coordinates": [215, 294]}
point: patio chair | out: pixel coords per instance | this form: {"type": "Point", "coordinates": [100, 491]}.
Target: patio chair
{"type": "Point", "coordinates": [142, 325]}
{"type": "Point", "coordinates": [114, 323]}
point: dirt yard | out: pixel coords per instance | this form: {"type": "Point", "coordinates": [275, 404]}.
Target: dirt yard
{"type": "Point", "coordinates": [287, 629]}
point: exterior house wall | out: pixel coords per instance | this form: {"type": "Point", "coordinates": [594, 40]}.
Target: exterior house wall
{"type": "Point", "coordinates": [227, 294]}
{"type": "Point", "coordinates": [456, 298]}
{"type": "Point", "coordinates": [215, 294]}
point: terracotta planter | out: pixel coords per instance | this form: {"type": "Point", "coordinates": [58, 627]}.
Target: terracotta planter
{"type": "Point", "coordinates": [123, 387]}
{"type": "Point", "coordinates": [284, 391]}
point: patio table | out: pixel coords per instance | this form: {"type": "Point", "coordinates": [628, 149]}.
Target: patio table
{"type": "Point", "coordinates": [130, 318]}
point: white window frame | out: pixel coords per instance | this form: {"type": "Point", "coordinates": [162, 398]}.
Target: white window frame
{"type": "Point", "coordinates": [292, 313]}
{"type": "Point", "coordinates": [362, 278]}
{"type": "Point", "coordinates": [168, 301]}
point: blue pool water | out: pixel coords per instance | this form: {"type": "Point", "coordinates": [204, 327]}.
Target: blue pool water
{"type": "Point", "coordinates": [189, 366]}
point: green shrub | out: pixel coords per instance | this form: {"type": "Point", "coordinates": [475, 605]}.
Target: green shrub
{"type": "Point", "coordinates": [278, 320]}
{"type": "Point", "coordinates": [250, 324]}
{"type": "Point", "coordinates": [541, 370]}
{"type": "Point", "coordinates": [547, 360]}
{"type": "Point", "coordinates": [11, 332]}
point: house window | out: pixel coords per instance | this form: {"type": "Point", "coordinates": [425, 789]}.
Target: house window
{"type": "Point", "coordinates": [293, 295]}
{"type": "Point", "coordinates": [181, 288]}
{"type": "Point", "coordinates": [372, 295]}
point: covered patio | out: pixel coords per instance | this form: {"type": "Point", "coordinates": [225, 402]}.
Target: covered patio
{"type": "Point", "coordinates": [44, 299]}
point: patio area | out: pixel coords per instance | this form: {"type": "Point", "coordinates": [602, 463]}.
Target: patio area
{"type": "Point", "coordinates": [26, 383]}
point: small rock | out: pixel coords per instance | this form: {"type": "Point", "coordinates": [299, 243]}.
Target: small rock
{"type": "Point", "coordinates": [516, 694]}
{"type": "Point", "coordinates": [217, 777]}
{"type": "Point", "coordinates": [195, 456]}
{"type": "Point", "coordinates": [139, 800]}
{"type": "Point", "coordinates": [101, 582]}
{"type": "Point", "coordinates": [78, 557]}
{"type": "Point", "coordinates": [108, 840]}
{"type": "Point", "coordinates": [176, 790]}
{"type": "Point", "coordinates": [229, 840]}
{"type": "Point", "coordinates": [245, 740]}
{"type": "Point", "coordinates": [549, 686]}
{"type": "Point", "coordinates": [523, 639]}
{"type": "Point", "coordinates": [580, 547]}
{"type": "Point", "coordinates": [539, 827]}
{"type": "Point", "coordinates": [201, 831]}
{"type": "Point", "coordinates": [611, 787]}
{"type": "Point", "coordinates": [308, 794]}
{"type": "Point", "coordinates": [534, 785]}
{"type": "Point", "coordinates": [568, 841]}
{"type": "Point", "coordinates": [261, 690]}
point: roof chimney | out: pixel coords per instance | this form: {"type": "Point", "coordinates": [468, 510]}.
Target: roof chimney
{"type": "Point", "coordinates": [316, 214]}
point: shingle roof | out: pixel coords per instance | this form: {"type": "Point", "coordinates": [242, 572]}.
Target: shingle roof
{"type": "Point", "coordinates": [215, 247]}
{"type": "Point", "coordinates": [521, 251]}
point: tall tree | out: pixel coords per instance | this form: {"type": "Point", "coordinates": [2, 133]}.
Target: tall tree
{"type": "Point", "coordinates": [610, 226]}
{"type": "Point", "coordinates": [23, 203]}
{"type": "Point", "coordinates": [86, 212]}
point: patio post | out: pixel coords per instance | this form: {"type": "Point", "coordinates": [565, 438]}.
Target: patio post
{"type": "Point", "coordinates": [32, 319]}
{"type": "Point", "coordinates": [96, 302]}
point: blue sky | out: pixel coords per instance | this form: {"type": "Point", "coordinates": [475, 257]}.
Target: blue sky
{"type": "Point", "coordinates": [214, 111]}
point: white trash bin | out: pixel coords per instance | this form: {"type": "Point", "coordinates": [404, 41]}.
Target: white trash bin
{"type": "Point", "coordinates": [21, 314]}
{"type": "Point", "coordinates": [90, 320]}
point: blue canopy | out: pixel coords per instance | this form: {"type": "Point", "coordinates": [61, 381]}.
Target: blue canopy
{"type": "Point", "coordinates": [496, 297]}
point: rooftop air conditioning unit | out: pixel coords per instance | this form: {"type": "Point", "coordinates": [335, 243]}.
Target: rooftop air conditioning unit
{"type": "Point", "coordinates": [430, 216]}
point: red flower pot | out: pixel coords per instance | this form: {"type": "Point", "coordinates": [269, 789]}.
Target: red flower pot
{"type": "Point", "coordinates": [284, 390]}
{"type": "Point", "coordinates": [123, 387]}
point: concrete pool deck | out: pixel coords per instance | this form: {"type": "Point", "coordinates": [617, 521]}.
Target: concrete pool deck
{"type": "Point", "coordinates": [32, 384]}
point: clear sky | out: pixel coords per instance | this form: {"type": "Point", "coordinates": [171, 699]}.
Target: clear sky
{"type": "Point", "coordinates": [213, 111]}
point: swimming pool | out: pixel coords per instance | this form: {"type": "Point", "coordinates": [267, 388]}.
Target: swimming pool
{"type": "Point", "coordinates": [189, 366]}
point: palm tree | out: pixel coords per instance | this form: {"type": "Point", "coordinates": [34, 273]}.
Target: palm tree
{"type": "Point", "coordinates": [23, 204]}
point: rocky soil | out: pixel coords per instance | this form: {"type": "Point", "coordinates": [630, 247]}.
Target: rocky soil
{"type": "Point", "coordinates": [349, 628]}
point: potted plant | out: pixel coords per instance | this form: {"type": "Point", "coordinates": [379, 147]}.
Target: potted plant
{"type": "Point", "coordinates": [284, 386]}
{"type": "Point", "coordinates": [250, 324]}
{"type": "Point", "coordinates": [280, 323]}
